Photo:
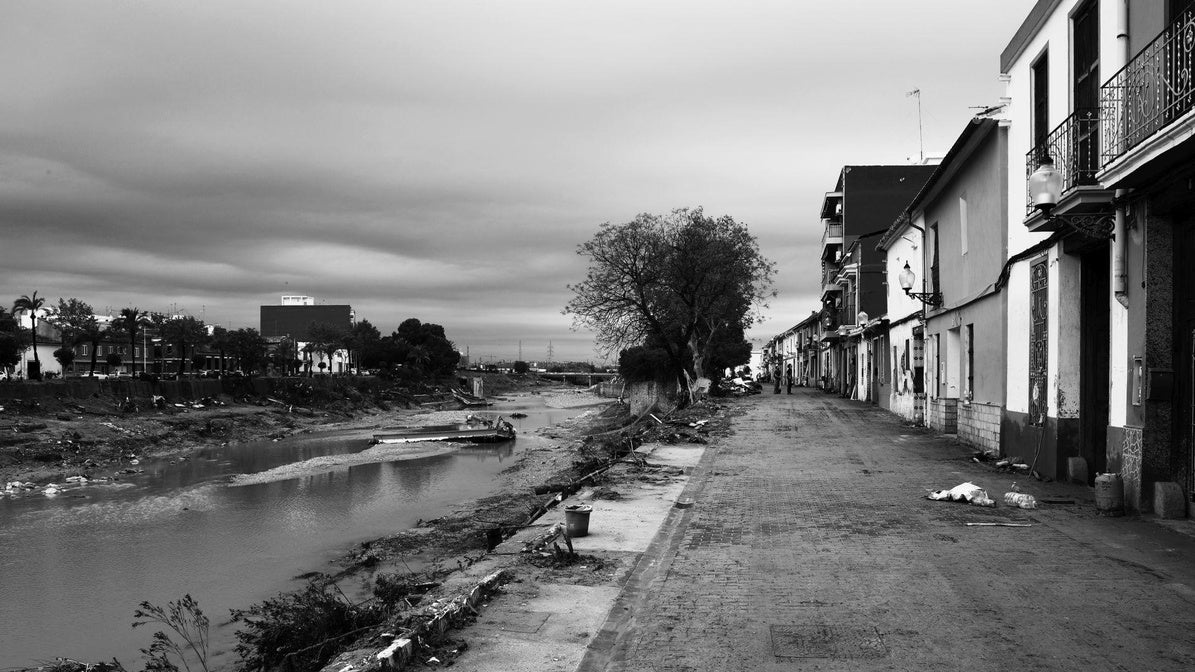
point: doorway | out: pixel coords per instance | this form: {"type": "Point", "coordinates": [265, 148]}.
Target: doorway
{"type": "Point", "coordinates": [1094, 336]}
{"type": "Point", "coordinates": [1184, 339]}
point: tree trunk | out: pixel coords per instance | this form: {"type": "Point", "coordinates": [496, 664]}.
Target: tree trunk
{"type": "Point", "coordinates": [33, 333]}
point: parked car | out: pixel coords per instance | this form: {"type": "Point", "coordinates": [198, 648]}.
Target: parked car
{"type": "Point", "coordinates": [96, 375]}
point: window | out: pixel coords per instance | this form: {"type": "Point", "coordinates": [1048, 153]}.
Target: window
{"type": "Point", "coordinates": [1041, 99]}
{"type": "Point", "coordinates": [935, 285]}
{"type": "Point", "coordinates": [970, 345]}
{"type": "Point", "coordinates": [1087, 87]}
{"type": "Point", "coordinates": [1087, 57]}
{"type": "Point", "coordinates": [962, 223]}
{"type": "Point", "coordinates": [952, 364]}
{"type": "Point", "coordinates": [938, 365]}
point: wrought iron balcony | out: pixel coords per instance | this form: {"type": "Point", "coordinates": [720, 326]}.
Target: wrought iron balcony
{"type": "Point", "coordinates": [1152, 91]}
{"type": "Point", "coordinates": [1074, 147]}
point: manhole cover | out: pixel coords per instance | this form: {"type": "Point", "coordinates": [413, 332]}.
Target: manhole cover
{"type": "Point", "coordinates": [827, 641]}
{"type": "Point", "coordinates": [518, 621]}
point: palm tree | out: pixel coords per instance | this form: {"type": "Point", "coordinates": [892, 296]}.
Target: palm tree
{"type": "Point", "coordinates": [130, 321]}
{"type": "Point", "coordinates": [31, 304]}
{"type": "Point", "coordinates": [418, 357]}
{"type": "Point", "coordinates": [222, 341]}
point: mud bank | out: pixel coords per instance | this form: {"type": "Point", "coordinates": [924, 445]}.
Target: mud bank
{"type": "Point", "coordinates": [437, 550]}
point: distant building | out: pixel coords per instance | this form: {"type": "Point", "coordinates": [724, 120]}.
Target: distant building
{"type": "Point", "coordinates": [865, 201]}
{"type": "Point", "coordinates": [292, 318]}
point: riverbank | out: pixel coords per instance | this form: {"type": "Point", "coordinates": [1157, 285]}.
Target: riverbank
{"type": "Point", "coordinates": [203, 509]}
{"type": "Point", "coordinates": [46, 438]}
{"type": "Point", "coordinates": [589, 451]}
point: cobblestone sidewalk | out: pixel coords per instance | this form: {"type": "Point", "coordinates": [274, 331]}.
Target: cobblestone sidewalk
{"type": "Point", "coordinates": [812, 546]}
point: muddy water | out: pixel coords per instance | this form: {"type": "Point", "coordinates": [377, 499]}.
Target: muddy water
{"type": "Point", "coordinates": [74, 567]}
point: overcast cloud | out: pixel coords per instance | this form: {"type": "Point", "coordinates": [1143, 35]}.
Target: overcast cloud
{"type": "Point", "coordinates": [442, 160]}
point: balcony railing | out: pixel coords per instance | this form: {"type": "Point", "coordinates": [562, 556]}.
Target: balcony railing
{"type": "Point", "coordinates": [829, 274]}
{"type": "Point", "coordinates": [832, 233]}
{"type": "Point", "coordinates": [1152, 91]}
{"type": "Point", "coordinates": [1074, 147]}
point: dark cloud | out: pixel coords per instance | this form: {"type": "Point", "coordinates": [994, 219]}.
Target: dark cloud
{"type": "Point", "coordinates": [443, 160]}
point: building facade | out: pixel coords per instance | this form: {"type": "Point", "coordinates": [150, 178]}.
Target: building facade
{"type": "Point", "coordinates": [865, 201]}
{"type": "Point", "coordinates": [1103, 91]}
{"type": "Point", "coordinates": [292, 320]}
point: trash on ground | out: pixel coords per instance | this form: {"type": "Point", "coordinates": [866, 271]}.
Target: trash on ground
{"type": "Point", "coordinates": [964, 492]}
{"type": "Point", "coordinates": [1021, 499]}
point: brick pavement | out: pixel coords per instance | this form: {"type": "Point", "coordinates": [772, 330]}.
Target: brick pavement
{"type": "Point", "coordinates": [811, 546]}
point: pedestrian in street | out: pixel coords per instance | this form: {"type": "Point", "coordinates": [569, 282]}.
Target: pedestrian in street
{"type": "Point", "coordinates": [776, 380]}
{"type": "Point", "coordinates": [788, 378]}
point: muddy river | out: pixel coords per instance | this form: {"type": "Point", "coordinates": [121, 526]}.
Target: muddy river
{"type": "Point", "coordinates": [230, 526]}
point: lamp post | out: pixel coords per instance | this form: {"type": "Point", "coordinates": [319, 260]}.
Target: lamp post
{"type": "Point", "coordinates": [1045, 190]}
{"type": "Point", "coordinates": [907, 278]}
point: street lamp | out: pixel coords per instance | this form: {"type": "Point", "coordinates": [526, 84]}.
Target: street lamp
{"type": "Point", "coordinates": [907, 278]}
{"type": "Point", "coordinates": [1045, 190]}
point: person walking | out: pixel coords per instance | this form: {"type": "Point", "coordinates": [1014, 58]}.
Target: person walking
{"type": "Point", "coordinates": [788, 378]}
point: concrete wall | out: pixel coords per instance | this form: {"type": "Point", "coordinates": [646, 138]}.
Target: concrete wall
{"type": "Point", "coordinates": [970, 210]}
{"type": "Point", "coordinates": [643, 396]}
{"type": "Point", "coordinates": [902, 400]}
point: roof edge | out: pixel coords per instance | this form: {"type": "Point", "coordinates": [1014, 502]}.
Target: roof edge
{"type": "Point", "coordinates": [1029, 28]}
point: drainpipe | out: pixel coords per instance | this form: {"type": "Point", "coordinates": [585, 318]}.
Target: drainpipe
{"type": "Point", "coordinates": [1120, 240]}
{"type": "Point", "coordinates": [1120, 243]}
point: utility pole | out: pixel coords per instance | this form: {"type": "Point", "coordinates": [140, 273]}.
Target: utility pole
{"type": "Point", "coordinates": [920, 137]}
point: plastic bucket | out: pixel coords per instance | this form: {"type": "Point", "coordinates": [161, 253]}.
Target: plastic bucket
{"type": "Point", "coordinates": [576, 520]}
{"type": "Point", "coordinates": [1109, 494]}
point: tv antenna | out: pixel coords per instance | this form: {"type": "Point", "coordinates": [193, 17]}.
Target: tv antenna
{"type": "Point", "coordinates": [920, 136]}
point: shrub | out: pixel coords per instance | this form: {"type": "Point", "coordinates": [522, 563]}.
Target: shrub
{"type": "Point", "coordinates": [187, 621]}
{"type": "Point", "coordinates": [300, 630]}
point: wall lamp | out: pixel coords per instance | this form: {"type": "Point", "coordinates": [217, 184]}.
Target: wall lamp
{"type": "Point", "coordinates": [1045, 188]}
{"type": "Point", "coordinates": [906, 283]}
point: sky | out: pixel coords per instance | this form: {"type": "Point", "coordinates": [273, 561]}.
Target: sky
{"type": "Point", "coordinates": [443, 160]}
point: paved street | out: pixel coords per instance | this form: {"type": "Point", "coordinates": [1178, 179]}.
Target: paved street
{"type": "Point", "coordinates": [811, 546]}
